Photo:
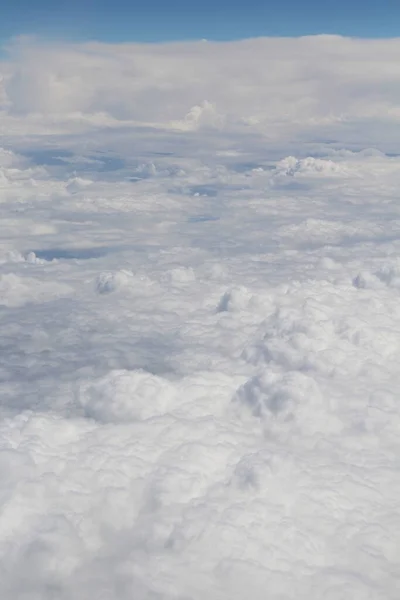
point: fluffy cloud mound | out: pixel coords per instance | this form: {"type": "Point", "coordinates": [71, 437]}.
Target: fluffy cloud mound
{"type": "Point", "coordinates": [17, 291]}
{"type": "Point", "coordinates": [125, 396]}
{"type": "Point", "coordinates": [292, 166]}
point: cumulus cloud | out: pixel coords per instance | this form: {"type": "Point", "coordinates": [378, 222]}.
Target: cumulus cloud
{"type": "Point", "coordinates": [16, 291]}
{"type": "Point", "coordinates": [200, 323]}
{"type": "Point", "coordinates": [292, 167]}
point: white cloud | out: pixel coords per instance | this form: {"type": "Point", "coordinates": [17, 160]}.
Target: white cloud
{"type": "Point", "coordinates": [199, 319]}
{"type": "Point", "coordinates": [17, 291]}
{"type": "Point", "coordinates": [270, 85]}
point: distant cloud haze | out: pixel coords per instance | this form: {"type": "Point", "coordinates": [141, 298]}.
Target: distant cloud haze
{"type": "Point", "coordinates": [268, 85]}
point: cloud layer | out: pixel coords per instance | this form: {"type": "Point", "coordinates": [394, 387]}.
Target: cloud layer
{"type": "Point", "coordinates": [199, 283]}
{"type": "Point", "coordinates": [278, 86]}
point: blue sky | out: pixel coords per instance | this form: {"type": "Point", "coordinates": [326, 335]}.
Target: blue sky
{"type": "Point", "coordinates": [158, 20]}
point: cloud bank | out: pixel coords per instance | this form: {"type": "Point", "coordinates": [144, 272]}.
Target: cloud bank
{"type": "Point", "coordinates": [277, 86]}
{"type": "Point", "coordinates": [200, 325]}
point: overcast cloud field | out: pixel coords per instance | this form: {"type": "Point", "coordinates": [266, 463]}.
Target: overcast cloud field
{"type": "Point", "coordinates": [200, 320]}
